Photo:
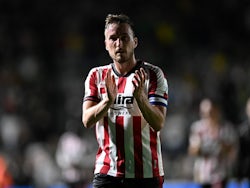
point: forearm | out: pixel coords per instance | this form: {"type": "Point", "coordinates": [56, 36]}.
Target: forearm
{"type": "Point", "coordinates": [152, 114]}
{"type": "Point", "coordinates": [94, 113]}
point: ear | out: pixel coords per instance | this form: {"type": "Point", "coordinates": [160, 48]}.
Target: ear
{"type": "Point", "coordinates": [135, 42]}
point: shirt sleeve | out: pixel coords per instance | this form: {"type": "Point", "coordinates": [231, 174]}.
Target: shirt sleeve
{"type": "Point", "coordinates": [158, 87]}
{"type": "Point", "coordinates": [90, 88]}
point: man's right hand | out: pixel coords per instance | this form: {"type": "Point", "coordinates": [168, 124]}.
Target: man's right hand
{"type": "Point", "coordinates": [111, 87]}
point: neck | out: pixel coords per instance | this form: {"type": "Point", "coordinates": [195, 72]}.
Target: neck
{"type": "Point", "coordinates": [125, 67]}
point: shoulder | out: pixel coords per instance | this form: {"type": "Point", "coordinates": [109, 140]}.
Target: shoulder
{"type": "Point", "coordinates": [100, 68]}
{"type": "Point", "coordinates": [153, 70]}
{"type": "Point", "coordinates": [150, 66]}
{"type": "Point", "coordinates": [95, 73]}
{"type": "Point", "coordinates": [197, 126]}
{"type": "Point", "coordinates": [228, 132]}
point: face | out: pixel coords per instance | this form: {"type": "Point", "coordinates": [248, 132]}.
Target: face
{"type": "Point", "coordinates": [120, 42]}
{"type": "Point", "coordinates": [205, 108]}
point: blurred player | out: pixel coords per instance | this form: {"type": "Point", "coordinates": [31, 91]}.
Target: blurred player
{"type": "Point", "coordinates": [213, 142]}
{"type": "Point", "coordinates": [243, 171]}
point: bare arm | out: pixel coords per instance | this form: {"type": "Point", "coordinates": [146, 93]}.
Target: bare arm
{"type": "Point", "coordinates": [92, 111]}
{"type": "Point", "coordinates": [153, 114]}
{"type": "Point", "coordinates": [194, 145]}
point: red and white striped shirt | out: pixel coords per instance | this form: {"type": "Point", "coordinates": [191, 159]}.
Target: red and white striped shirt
{"type": "Point", "coordinates": [128, 146]}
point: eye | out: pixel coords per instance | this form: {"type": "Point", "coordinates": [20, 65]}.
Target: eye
{"type": "Point", "coordinates": [113, 38]}
{"type": "Point", "coordinates": [125, 38]}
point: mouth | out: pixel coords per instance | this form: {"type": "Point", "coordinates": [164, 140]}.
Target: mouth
{"type": "Point", "coordinates": [119, 52]}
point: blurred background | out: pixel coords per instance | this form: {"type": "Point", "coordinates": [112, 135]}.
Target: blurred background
{"type": "Point", "coordinates": [48, 47]}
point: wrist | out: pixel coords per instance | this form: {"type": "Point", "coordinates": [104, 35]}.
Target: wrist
{"type": "Point", "coordinates": [141, 97]}
{"type": "Point", "coordinates": [107, 101]}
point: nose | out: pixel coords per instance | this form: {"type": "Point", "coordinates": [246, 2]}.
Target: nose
{"type": "Point", "coordinates": [118, 42]}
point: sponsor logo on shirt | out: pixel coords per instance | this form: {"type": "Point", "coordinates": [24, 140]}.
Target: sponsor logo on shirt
{"type": "Point", "coordinates": [123, 102]}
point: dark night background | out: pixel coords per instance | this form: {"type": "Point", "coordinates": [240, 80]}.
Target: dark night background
{"type": "Point", "coordinates": [48, 47]}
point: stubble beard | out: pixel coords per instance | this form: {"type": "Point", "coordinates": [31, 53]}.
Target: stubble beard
{"type": "Point", "coordinates": [121, 58]}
